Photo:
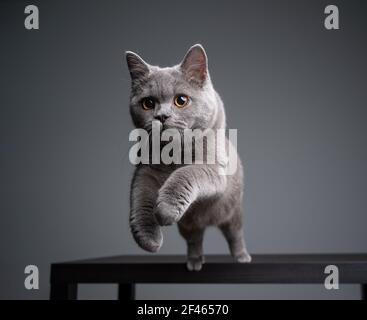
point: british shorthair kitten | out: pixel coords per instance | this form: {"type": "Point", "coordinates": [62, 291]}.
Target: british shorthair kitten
{"type": "Point", "coordinates": [194, 196]}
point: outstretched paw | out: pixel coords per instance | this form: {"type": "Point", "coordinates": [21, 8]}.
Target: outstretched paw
{"type": "Point", "coordinates": [195, 263]}
{"type": "Point", "coordinates": [151, 241]}
{"type": "Point", "coordinates": [243, 257]}
{"type": "Point", "coordinates": [166, 214]}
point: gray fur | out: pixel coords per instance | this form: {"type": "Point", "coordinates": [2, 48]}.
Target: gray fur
{"type": "Point", "coordinates": [193, 196]}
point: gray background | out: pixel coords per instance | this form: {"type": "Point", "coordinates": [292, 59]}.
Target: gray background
{"type": "Point", "coordinates": [295, 91]}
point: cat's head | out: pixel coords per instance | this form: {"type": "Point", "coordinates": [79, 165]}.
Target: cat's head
{"type": "Point", "coordinates": [180, 97]}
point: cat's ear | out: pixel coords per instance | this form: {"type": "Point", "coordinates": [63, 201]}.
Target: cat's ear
{"type": "Point", "coordinates": [137, 66]}
{"type": "Point", "coordinates": [195, 65]}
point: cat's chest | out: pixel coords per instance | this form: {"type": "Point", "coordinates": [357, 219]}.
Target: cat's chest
{"type": "Point", "coordinates": [201, 214]}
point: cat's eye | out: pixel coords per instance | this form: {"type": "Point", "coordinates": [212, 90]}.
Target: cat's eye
{"type": "Point", "coordinates": [181, 101]}
{"type": "Point", "coordinates": [148, 103]}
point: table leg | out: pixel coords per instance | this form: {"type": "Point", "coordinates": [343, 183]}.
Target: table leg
{"type": "Point", "coordinates": [126, 291]}
{"type": "Point", "coordinates": [364, 291]}
{"type": "Point", "coordinates": [64, 291]}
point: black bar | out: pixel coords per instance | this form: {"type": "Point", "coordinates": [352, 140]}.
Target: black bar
{"type": "Point", "coordinates": [64, 291]}
{"type": "Point", "coordinates": [126, 291]}
{"type": "Point", "coordinates": [364, 291]}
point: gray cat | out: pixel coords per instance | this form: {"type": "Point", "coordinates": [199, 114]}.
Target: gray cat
{"type": "Point", "coordinates": [195, 195]}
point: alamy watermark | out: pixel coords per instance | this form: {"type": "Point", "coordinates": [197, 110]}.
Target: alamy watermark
{"type": "Point", "coordinates": [331, 21]}
{"type": "Point", "coordinates": [332, 279]}
{"type": "Point", "coordinates": [185, 146]}
{"type": "Point", "coordinates": [31, 22]}
{"type": "Point", "coordinates": [31, 281]}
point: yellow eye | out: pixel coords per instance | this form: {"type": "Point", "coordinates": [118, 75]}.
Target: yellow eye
{"type": "Point", "coordinates": [181, 101]}
{"type": "Point", "coordinates": [148, 103]}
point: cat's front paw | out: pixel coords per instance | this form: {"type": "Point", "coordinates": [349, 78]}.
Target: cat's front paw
{"type": "Point", "coordinates": [149, 241]}
{"type": "Point", "coordinates": [243, 257]}
{"type": "Point", "coordinates": [195, 263]}
{"type": "Point", "coordinates": [166, 214]}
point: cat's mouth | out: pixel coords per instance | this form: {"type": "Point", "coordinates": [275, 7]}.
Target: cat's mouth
{"type": "Point", "coordinates": [172, 126]}
{"type": "Point", "coordinates": [179, 125]}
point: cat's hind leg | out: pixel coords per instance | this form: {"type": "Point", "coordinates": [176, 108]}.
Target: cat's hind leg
{"type": "Point", "coordinates": [233, 232]}
{"type": "Point", "coordinates": [194, 238]}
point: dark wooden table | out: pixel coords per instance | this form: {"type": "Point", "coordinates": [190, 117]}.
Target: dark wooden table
{"type": "Point", "coordinates": [129, 270]}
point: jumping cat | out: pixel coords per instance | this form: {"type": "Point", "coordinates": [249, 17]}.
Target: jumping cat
{"type": "Point", "coordinates": [194, 196]}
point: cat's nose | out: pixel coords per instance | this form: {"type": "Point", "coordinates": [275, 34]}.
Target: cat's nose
{"type": "Point", "coordinates": [161, 117]}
